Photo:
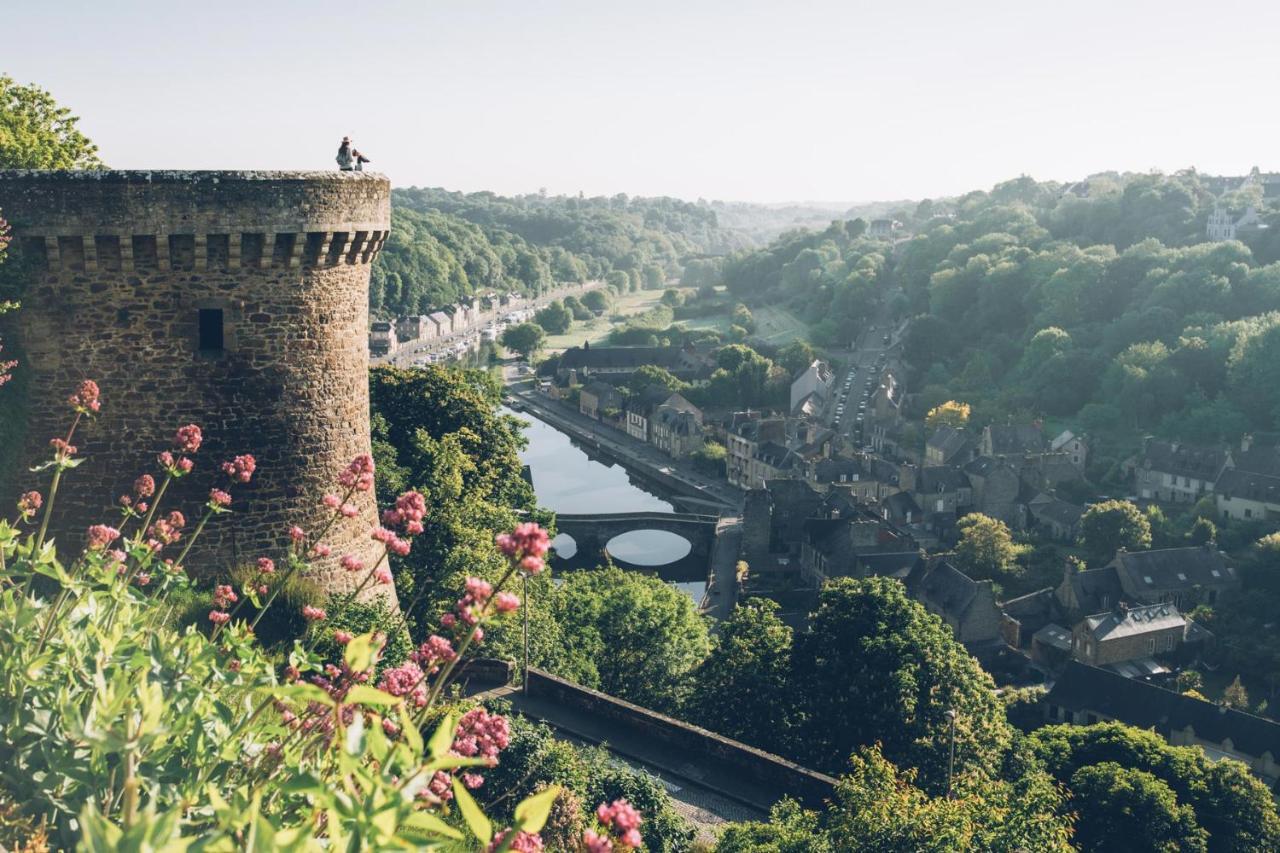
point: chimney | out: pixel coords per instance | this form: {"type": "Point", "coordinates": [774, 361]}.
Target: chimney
{"type": "Point", "coordinates": [1246, 442]}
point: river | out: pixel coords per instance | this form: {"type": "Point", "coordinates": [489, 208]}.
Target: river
{"type": "Point", "coordinates": [566, 480]}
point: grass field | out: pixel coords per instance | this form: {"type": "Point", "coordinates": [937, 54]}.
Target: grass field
{"type": "Point", "coordinates": [778, 325]}
{"type": "Point", "coordinates": [597, 330]}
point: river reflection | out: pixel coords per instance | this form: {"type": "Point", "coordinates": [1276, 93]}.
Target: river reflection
{"type": "Point", "coordinates": [566, 480]}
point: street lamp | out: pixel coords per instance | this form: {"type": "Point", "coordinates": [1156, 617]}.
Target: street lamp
{"type": "Point", "coordinates": [951, 762]}
{"type": "Point", "coordinates": [524, 594]}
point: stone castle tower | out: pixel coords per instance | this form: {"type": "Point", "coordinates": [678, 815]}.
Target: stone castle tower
{"type": "Point", "coordinates": [234, 300]}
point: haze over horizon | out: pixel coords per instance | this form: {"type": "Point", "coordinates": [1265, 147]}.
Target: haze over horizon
{"type": "Point", "coordinates": [748, 101]}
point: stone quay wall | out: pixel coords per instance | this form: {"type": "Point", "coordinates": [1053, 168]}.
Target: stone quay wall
{"type": "Point", "coordinates": [128, 273]}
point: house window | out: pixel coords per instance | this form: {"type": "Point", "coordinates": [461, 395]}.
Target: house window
{"type": "Point", "coordinates": [1151, 645]}
{"type": "Point", "coordinates": [1248, 513]}
{"type": "Point", "coordinates": [212, 338]}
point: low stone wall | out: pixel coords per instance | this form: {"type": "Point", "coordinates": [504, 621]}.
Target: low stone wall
{"type": "Point", "coordinates": [486, 671]}
{"type": "Point", "coordinates": [701, 746]}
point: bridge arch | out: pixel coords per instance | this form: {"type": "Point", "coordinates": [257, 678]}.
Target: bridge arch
{"type": "Point", "coordinates": [592, 532]}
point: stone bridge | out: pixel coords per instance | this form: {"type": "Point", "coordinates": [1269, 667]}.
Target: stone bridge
{"type": "Point", "coordinates": [592, 532]}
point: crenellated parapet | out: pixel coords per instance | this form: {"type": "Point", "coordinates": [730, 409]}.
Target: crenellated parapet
{"type": "Point", "coordinates": [234, 300]}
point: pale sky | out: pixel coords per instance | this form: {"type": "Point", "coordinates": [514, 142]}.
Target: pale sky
{"type": "Point", "coordinates": [840, 100]}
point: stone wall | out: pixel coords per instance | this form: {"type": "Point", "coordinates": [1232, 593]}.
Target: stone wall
{"type": "Point", "coordinates": [123, 264]}
{"type": "Point", "coordinates": [702, 747]}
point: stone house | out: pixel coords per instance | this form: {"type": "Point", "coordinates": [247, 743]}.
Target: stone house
{"type": "Point", "coordinates": [967, 605]}
{"type": "Point", "coordinates": [883, 229]}
{"type": "Point", "coordinates": [746, 431]}
{"type": "Point", "coordinates": [598, 397]}
{"type": "Point", "coordinates": [1183, 577]}
{"type": "Point", "coordinates": [1251, 488]}
{"type": "Point", "coordinates": [1012, 440]}
{"type": "Point", "coordinates": [773, 461]}
{"type": "Point", "coordinates": [1175, 472]}
{"type": "Point", "coordinates": [676, 427]}
{"type": "Point", "coordinates": [997, 490]}
{"type": "Point", "coordinates": [1128, 633]}
{"type": "Point", "coordinates": [1083, 593]}
{"type": "Point", "coordinates": [382, 338]}
{"type": "Point", "coordinates": [411, 328]}
{"type": "Point", "coordinates": [619, 363]}
{"type": "Point", "coordinates": [901, 508]}
{"type": "Point", "coordinates": [866, 478]}
{"type": "Point", "coordinates": [639, 410]}
{"type": "Point", "coordinates": [948, 446]}
{"type": "Point", "coordinates": [1083, 695]}
{"type": "Point", "coordinates": [815, 381]}
{"type": "Point", "coordinates": [443, 323]}
{"type": "Point", "coordinates": [1059, 519]}
{"type": "Point", "coordinates": [938, 489]}
{"type": "Point", "coordinates": [1074, 446]}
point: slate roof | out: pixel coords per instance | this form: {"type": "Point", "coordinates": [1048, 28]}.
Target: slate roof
{"type": "Point", "coordinates": [626, 358]}
{"type": "Point", "coordinates": [948, 441]}
{"type": "Point", "coordinates": [1139, 703]}
{"type": "Point", "coordinates": [600, 389]}
{"type": "Point", "coordinates": [1259, 459]}
{"type": "Point", "coordinates": [983, 466]}
{"type": "Point", "coordinates": [1055, 636]}
{"type": "Point", "coordinates": [900, 505]}
{"type": "Point", "coordinates": [647, 400]}
{"type": "Point", "coordinates": [1253, 486]}
{"type": "Point", "coordinates": [776, 455]}
{"type": "Point", "coordinates": [1184, 460]}
{"type": "Point", "coordinates": [1057, 510]}
{"type": "Point", "coordinates": [829, 470]}
{"type": "Point", "coordinates": [1096, 589]}
{"type": "Point", "coordinates": [1175, 568]}
{"type": "Point", "coordinates": [949, 588]}
{"type": "Point", "coordinates": [1134, 621]}
{"type": "Point", "coordinates": [898, 564]}
{"type": "Point", "coordinates": [939, 479]}
{"type": "Point", "coordinates": [1014, 439]}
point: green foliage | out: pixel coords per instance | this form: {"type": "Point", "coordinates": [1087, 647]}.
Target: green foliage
{"type": "Point", "coordinates": [555, 318]}
{"type": "Point", "coordinates": [750, 661]}
{"type": "Point", "coordinates": [909, 670]}
{"type": "Point", "coordinates": [710, 458]}
{"type": "Point", "coordinates": [37, 133]}
{"type": "Point", "coordinates": [527, 339]}
{"type": "Point", "coordinates": [596, 301]}
{"type": "Point", "coordinates": [790, 829]}
{"type": "Point", "coordinates": [986, 548]}
{"type": "Point", "coordinates": [1111, 525]}
{"type": "Point", "coordinates": [650, 375]}
{"type": "Point", "coordinates": [634, 636]}
{"type": "Point", "coordinates": [1228, 802]}
{"type": "Point", "coordinates": [1131, 809]}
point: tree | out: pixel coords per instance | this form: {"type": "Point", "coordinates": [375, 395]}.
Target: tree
{"type": "Point", "coordinates": [741, 689]}
{"type": "Point", "coordinates": [950, 413]}
{"type": "Point", "coordinates": [524, 338]}
{"type": "Point", "coordinates": [37, 133]}
{"type": "Point", "coordinates": [742, 317]}
{"type": "Point", "coordinates": [672, 298]}
{"type": "Point", "coordinates": [710, 458]}
{"type": "Point", "coordinates": [909, 670]}
{"type": "Point", "coordinates": [618, 281]}
{"type": "Point", "coordinates": [596, 301]}
{"type": "Point", "coordinates": [1202, 532]}
{"type": "Point", "coordinates": [576, 309]}
{"type": "Point", "coordinates": [1235, 696]}
{"type": "Point", "coordinates": [790, 829]}
{"type": "Point", "coordinates": [631, 635]}
{"type": "Point", "coordinates": [1231, 804]}
{"type": "Point", "coordinates": [647, 375]}
{"type": "Point", "coordinates": [795, 357]}
{"type": "Point", "coordinates": [555, 318]}
{"type": "Point", "coordinates": [1108, 526]}
{"type": "Point", "coordinates": [1131, 810]}
{"type": "Point", "coordinates": [986, 548]}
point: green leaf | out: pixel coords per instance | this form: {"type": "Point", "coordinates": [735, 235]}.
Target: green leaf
{"type": "Point", "coordinates": [531, 814]}
{"type": "Point", "coordinates": [359, 653]}
{"type": "Point", "coordinates": [305, 692]}
{"type": "Point", "coordinates": [471, 813]}
{"type": "Point", "coordinates": [363, 694]}
{"type": "Point", "coordinates": [429, 825]}
{"type": "Point", "coordinates": [442, 740]}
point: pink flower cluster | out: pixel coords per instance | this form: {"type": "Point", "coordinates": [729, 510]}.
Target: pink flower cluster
{"type": "Point", "coordinates": [219, 498]}
{"type": "Point", "coordinates": [313, 614]}
{"type": "Point", "coordinates": [480, 734]}
{"type": "Point", "coordinates": [223, 597]}
{"type": "Point", "coordinates": [29, 504]}
{"type": "Point", "coordinates": [622, 820]}
{"type": "Point", "coordinates": [86, 398]}
{"type": "Point", "coordinates": [176, 466]}
{"type": "Point", "coordinates": [62, 449]}
{"type": "Point", "coordinates": [471, 607]}
{"type": "Point", "coordinates": [266, 565]}
{"type": "Point", "coordinates": [406, 680]}
{"type": "Point", "coordinates": [411, 509]}
{"type": "Point", "coordinates": [188, 438]}
{"type": "Point", "coordinates": [166, 530]}
{"type": "Point", "coordinates": [99, 536]}
{"type": "Point", "coordinates": [526, 546]}
{"type": "Point", "coordinates": [392, 542]}
{"type": "Point", "coordinates": [359, 474]}
{"type": "Point", "coordinates": [524, 842]}
{"type": "Point", "coordinates": [434, 652]}
{"type": "Point", "coordinates": [240, 469]}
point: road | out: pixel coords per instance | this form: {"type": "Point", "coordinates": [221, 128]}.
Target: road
{"type": "Point", "coordinates": [862, 362]}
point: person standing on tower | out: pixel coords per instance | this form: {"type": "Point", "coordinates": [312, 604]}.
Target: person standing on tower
{"type": "Point", "coordinates": [346, 158]}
